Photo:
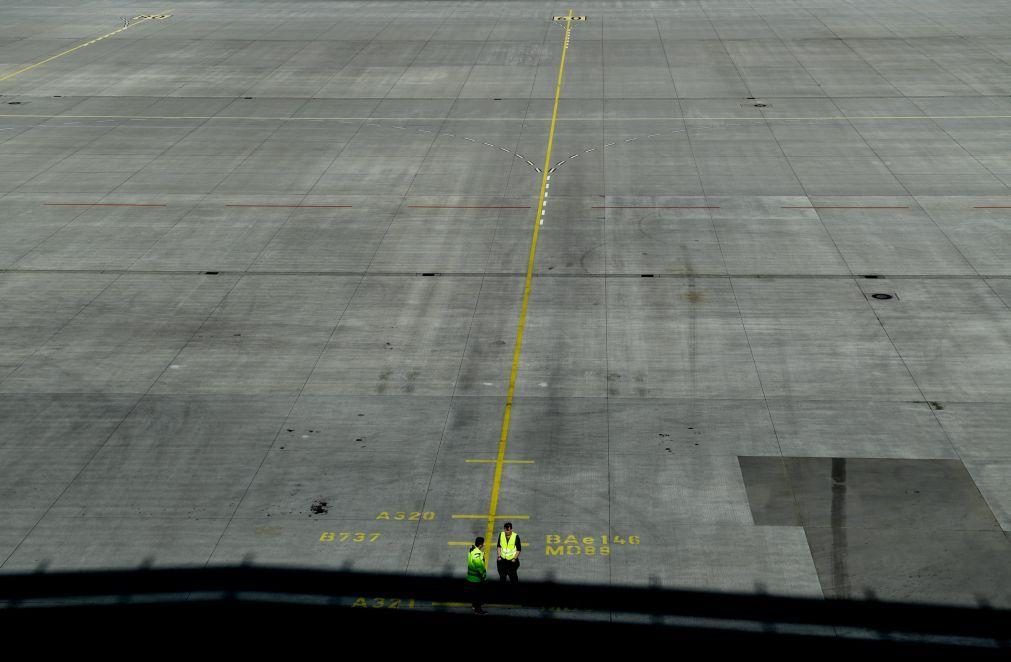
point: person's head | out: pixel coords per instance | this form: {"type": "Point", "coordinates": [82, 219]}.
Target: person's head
{"type": "Point", "coordinates": [508, 527]}
{"type": "Point", "coordinates": [479, 542]}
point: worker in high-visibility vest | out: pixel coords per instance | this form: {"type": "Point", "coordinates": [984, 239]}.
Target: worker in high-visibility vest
{"type": "Point", "coordinates": [477, 573]}
{"type": "Point", "coordinates": [509, 548]}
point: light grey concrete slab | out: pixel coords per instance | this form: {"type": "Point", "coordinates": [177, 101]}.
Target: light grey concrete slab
{"type": "Point", "coordinates": [978, 234]}
{"type": "Point", "coordinates": [573, 489]}
{"type": "Point", "coordinates": [954, 345]}
{"type": "Point", "coordinates": [331, 240]}
{"type": "Point", "coordinates": [184, 482]}
{"type": "Point", "coordinates": [720, 557]}
{"type": "Point", "coordinates": [75, 543]}
{"type": "Point", "coordinates": [100, 237]}
{"type": "Point", "coordinates": [665, 427]}
{"type": "Point", "coordinates": [123, 339]}
{"type": "Point", "coordinates": [825, 343]}
{"type": "Point", "coordinates": [37, 306]}
{"type": "Point", "coordinates": [564, 319]}
{"type": "Point", "coordinates": [992, 477]}
{"type": "Point", "coordinates": [907, 430]}
{"type": "Point", "coordinates": [691, 342]}
{"type": "Point", "coordinates": [357, 545]}
{"type": "Point", "coordinates": [660, 241]}
{"type": "Point", "coordinates": [398, 335]}
{"type": "Point", "coordinates": [215, 239]}
{"type": "Point", "coordinates": [770, 246]}
{"type": "Point", "coordinates": [672, 490]}
{"type": "Point", "coordinates": [350, 482]}
{"type": "Point", "coordinates": [261, 339]}
{"type": "Point", "coordinates": [977, 430]}
{"type": "Point", "coordinates": [202, 422]}
{"type": "Point", "coordinates": [47, 440]}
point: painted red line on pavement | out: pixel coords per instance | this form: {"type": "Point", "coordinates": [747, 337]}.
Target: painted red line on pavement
{"type": "Point", "coordinates": [468, 207]}
{"type": "Point", "coordinates": [844, 207]}
{"type": "Point", "coordinates": [97, 204]}
{"type": "Point", "coordinates": [297, 206]}
{"type": "Point", "coordinates": [657, 207]}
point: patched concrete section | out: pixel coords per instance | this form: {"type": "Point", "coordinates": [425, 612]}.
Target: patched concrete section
{"type": "Point", "coordinates": [262, 275]}
{"type": "Point", "coordinates": [956, 567]}
{"type": "Point", "coordinates": [909, 530]}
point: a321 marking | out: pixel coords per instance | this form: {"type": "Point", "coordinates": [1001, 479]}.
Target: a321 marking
{"type": "Point", "coordinates": [383, 603]}
{"type": "Point", "coordinates": [348, 536]}
{"type": "Point", "coordinates": [415, 516]}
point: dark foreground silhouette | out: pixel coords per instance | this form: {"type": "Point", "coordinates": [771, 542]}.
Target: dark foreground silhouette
{"type": "Point", "coordinates": [404, 608]}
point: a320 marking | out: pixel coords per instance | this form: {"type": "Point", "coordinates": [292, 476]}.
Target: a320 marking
{"type": "Point", "coordinates": [571, 545]}
{"type": "Point", "coordinates": [348, 536]}
{"type": "Point", "coordinates": [415, 516]}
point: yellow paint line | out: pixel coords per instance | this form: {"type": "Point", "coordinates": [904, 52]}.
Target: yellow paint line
{"type": "Point", "coordinates": [489, 516]}
{"type": "Point", "coordinates": [504, 461]}
{"type": "Point", "coordinates": [78, 47]}
{"type": "Point", "coordinates": [503, 440]}
{"type": "Point", "coordinates": [467, 604]}
{"type": "Point", "coordinates": [676, 118]}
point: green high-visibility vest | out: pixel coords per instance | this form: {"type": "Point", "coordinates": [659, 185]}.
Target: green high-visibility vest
{"type": "Point", "coordinates": [507, 545]}
{"type": "Point", "coordinates": [476, 572]}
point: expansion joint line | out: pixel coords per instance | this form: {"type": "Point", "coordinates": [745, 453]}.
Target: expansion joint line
{"type": "Point", "coordinates": [503, 441]}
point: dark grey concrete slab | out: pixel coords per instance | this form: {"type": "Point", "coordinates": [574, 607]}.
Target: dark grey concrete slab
{"type": "Point", "coordinates": [866, 493]}
{"type": "Point", "coordinates": [954, 567]}
{"type": "Point", "coordinates": [906, 530]}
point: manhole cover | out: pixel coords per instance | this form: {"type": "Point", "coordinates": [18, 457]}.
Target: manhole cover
{"type": "Point", "coordinates": [882, 296]}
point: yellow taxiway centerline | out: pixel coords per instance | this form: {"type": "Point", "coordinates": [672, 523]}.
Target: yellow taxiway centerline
{"type": "Point", "coordinates": [675, 118]}
{"type": "Point", "coordinates": [149, 17]}
{"type": "Point", "coordinates": [503, 442]}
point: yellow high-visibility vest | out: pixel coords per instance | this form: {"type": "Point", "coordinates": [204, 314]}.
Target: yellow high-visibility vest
{"type": "Point", "coordinates": [508, 546]}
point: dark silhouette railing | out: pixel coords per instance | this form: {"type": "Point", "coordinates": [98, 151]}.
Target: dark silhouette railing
{"type": "Point", "coordinates": [350, 598]}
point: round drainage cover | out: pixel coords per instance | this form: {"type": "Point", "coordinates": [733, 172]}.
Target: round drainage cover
{"type": "Point", "coordinates": [882, 296]}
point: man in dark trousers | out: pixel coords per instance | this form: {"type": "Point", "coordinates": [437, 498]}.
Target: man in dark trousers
{"type": "Point", "coordinates": [476, 574]}
{"type": "Point", "coordinates": [509, 549]}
